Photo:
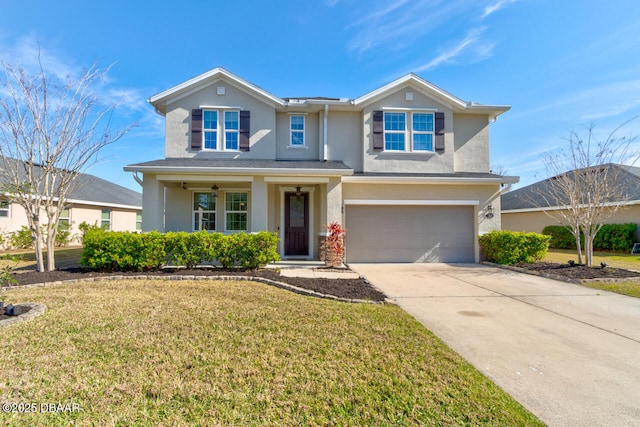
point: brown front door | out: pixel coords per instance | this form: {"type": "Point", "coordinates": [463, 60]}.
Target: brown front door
{"type": "Point", "coordinates": [296, 224]}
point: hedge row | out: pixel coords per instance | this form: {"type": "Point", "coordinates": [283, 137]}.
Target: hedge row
{"type": "Point", "coordinates": [125, 251]}
{"type": "Point", "coordinates": [512, 247]}
{"type": "Point", "coordinates": [611, 237]}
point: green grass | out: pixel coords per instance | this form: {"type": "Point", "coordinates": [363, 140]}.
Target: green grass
{"type": "Point", "coordinates": [615, 260]}
{"type": "Point", "coordinates": [235, 353]}
{"type": "Point", "coordinates": [26, 258]}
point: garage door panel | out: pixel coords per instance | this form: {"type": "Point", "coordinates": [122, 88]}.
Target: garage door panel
{"type": "Point", "coordinates": [410, 234]}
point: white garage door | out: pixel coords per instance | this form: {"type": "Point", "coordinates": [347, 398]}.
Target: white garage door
{"type": "Point", "coordinates": [410, 234]}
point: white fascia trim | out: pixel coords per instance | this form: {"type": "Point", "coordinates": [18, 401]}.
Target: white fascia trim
{"type": "Point", "coordinates": [426, 180]}
{"type": "Point", "coordinates": [408, 109]}
{"type": "Point", "coordinates": [418, 202]}
{"type": "Point", "coordinates": [560, 208]}
{"type": "Point", "coordinates": [413, 78]}
{"type": "Point", "coordinates": [240, 171]}
{"type": "Point", "coordinates": [300, 179]}
{"type": "Point", "coordinates": [212, 74]}
{"type": "Point", "coordinates": [106, 205]}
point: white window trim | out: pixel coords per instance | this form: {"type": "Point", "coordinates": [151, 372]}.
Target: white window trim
{"type": "Point", "coordinates": [108, 221]}
{"type": "Point", "coordinates": [291, 131]}
{"type": "Point", "coordinates": [221, 139]}
{"type": "Point", "coordinates": [408, 131]}
{"type": "Point", "coordinates": [68, 219]}
{"type": "Point", "coordinates": [138, 222]}
{"type": "Point", "coordinates": [201, 211]}
{"type": "Point", "coordinates": [246, 211]}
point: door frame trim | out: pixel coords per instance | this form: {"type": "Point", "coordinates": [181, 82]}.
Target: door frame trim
{"type": "Point", "coordinates": [310, 191]}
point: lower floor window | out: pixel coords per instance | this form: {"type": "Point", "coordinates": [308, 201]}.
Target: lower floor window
{"type": "Point", "coordinates": [4, 209]}
{"type": "Point", "coordinates": [64, 221]}
{"type": "Point", "coordinates": [105, 222]}
{"type": "Point", "coordinates": [204, 211]}
{"type": "Point", "coordinates": [138, 221]}
{"type": "Point", "coordinates": [236, 208]}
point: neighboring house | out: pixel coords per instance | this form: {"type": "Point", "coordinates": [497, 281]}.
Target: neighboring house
{"type": "Point", "coordinates": [94, 201]}
{"type": "Point", "coordinates": [528, 208]}
{"type": "Point", "coordinates": [404, 168]}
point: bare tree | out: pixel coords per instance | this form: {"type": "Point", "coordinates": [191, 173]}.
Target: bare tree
{"type": "Point", "coordinates": [587, 183]}
{"type": "Point", "coordinates": [51, 129]}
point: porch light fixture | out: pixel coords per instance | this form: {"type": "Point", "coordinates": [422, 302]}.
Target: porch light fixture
{"type": "Point", "coordinates": [214, 190]}
{"type": "Point", "coordinates": [298, 192]}
{"type": "Point", "coordinates": [489, 213]}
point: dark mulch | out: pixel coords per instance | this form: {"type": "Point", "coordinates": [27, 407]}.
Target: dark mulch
{"type": "Point", "coordinates": [577, 271]}
{"type": "Point", "coordinates": [342, 288]}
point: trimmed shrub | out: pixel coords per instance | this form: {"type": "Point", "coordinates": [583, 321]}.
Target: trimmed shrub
{"type": "Point", "coordinates": [125, 251]}
{"type": "Point", "coordinates": [21, 239]}
{"type": "Point", "coordinates": [611, 237]}
{"type": "Point", "coordinates": [561, 237]}
{"type": "Point", "coordinates": [615, 237]}
{"type": "Point", "coordinates": [512, 247]}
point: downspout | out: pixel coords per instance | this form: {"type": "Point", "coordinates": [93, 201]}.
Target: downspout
{"type": "Point", "coordinates": [137, 178]}
{"type": "Point", "coordinates": [324, 133]}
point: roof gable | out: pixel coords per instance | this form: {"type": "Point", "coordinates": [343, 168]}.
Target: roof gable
{"type": "Point", "coordinates": [432, 91]}
{"type": "Point", "coordinates": [160, 100]}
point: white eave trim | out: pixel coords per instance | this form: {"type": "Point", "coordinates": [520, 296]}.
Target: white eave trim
{"type": "Point", "coordinates": [174, 92]}
{"type": "Point", "coordinates": [428, 180]}
{"type": "Point", "coordinates": [418, 202]}
{"type": "Point", "coordinates": [560, 208]}
{"type": "Point", "coordinates": [103, 204]}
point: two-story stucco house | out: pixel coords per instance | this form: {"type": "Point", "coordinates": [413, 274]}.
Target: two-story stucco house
{"type": "Point", "coordinates": [404, 168]}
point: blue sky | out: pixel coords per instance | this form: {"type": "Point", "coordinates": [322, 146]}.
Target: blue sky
{"type": "Point", "coordinates": [560, 64]}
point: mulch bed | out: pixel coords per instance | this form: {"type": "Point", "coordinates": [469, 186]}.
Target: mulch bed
{"type": "Point", "coordinates": [358, 289]}
{"type": "Point", "coordinates": [578, 271]}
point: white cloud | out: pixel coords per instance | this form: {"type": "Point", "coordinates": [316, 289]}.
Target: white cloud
{"type": "Point", "coordinates": [471, 47]}
{"type": "Point", "coordinates": [492, 8]}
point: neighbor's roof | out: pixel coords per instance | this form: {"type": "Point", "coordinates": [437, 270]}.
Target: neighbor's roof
{"type": "Point", "coordinates": [538, 195]}
{"type": "Point", "coordinates": [96, 191]}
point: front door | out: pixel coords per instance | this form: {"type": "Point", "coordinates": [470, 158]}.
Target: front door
{"type": "Point", "coordinates": [296, 224]}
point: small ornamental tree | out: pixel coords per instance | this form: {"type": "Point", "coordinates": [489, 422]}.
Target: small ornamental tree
{"type": "Point", "coordinates": [334, 245]}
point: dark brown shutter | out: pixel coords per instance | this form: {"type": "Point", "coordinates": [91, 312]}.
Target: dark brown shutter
{"type": "Point", "coordinates": [378, 130]}
{"type": "Point", "coordinates": [439, 132]}
{"type": "Point", "coordinates": [245, 118]}
{"type": "Point", "coordinates": [196, 129]}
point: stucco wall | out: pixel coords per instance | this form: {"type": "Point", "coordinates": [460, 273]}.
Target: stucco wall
{"type": "Point", "coordinates": [381, 161]}
{"type": "Point", "coordinates": [471, 143]}
{"type": "Point", "coordinates": [262, 124]}
{"type": "Point", "coordinates": [311, 137]}
{"type": "Point", "coordinates": [536, 221]}
{"type": "Point", "coordinates": [345, 138]}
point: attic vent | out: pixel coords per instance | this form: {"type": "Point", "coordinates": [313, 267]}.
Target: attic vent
{"type": "Point", "coordinates": [220, 90]}
{"type": "Point", "coordinates": [408, 96]}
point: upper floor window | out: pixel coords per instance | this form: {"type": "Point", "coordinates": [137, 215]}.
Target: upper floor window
{"type": "Point", "coordinates": [409, 132]}
{"type": "Point", "coordinates": [221, 129]}
{"type": "Point", "coordinates": [204, 211]}
{"type": "Point", "coordinates": [297, 130]}
{"type": "Point", "coordinates": [4, 209]}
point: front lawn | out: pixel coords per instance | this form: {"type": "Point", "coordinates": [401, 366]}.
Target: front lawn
{"type": "Point", "coordinates": [149, 352]}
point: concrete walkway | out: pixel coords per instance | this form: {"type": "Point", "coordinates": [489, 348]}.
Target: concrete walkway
{"type": "Point", "coordinates": [569, 354]}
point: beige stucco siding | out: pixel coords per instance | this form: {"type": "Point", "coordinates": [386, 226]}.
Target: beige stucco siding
{"type": "Point", "coordinates": [309, 151]}
{"type": "Point", "coordinates": [262, 124]}
{"type": "Point", "coordinates": [381, 161]}
{"type": "Point", "coordinates": [536, 221]}
{"type": "Point", "coordinates": [345, 138]}
{"type": "Point", "coordinates": [471, 143]}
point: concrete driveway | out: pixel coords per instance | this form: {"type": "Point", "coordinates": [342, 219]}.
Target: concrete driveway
{"type": "Point", "coordinates": [569, 354]}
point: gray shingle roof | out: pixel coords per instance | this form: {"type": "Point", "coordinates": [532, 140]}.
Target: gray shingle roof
{"type": "Point", "coordinates": [96, 190]}
{"type": "Point", "coordinates": [239, 164]}
{"type": "Point", "coordinates": [538, 195]}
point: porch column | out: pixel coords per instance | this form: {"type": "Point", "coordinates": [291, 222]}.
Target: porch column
{"type": "Point", "coordinates": [152, 204]}
{"type": "Point", "coordinates": [334, 201]}
{"type": "Point", "coordinates": [259, 204]}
